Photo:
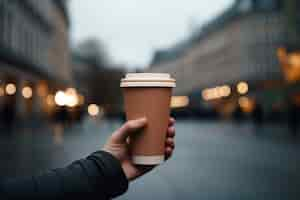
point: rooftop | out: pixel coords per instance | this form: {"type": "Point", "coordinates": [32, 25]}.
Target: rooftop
{"type": "Point", "coordinates": [238, 9]}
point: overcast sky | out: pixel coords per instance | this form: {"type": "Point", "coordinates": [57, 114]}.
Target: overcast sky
{"type": "Point", "coordinates": [132, 29]}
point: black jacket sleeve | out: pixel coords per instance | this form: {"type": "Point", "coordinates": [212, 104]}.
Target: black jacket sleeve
{"type": "Point", "coordinates": [99, 176]}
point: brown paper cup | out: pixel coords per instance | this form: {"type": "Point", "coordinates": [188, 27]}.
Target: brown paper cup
{"type": "Point", "coordinates": [145, 97]}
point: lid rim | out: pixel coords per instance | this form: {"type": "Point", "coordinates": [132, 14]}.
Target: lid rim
{"type": "Point", "coordinates": [148, 84]}
{"type": "Point", "coordinates": [148, 80]}
{"type": "Point", "coordinates": [143, 80]}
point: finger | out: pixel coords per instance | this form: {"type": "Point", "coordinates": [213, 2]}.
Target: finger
{"type": "Point", "coordinates": [168, 152]}
{"type": "Point", "coordinates": [171, 121]}
{"type": "Point", "coordinates": [129, 127]}
{"type": "Point", "coordinates": [170, 142]}
{"type": "Point", "coordinates": [171, 131]}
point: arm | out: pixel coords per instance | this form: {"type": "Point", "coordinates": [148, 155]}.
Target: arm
{"type": "Point", "coordinates": [99, 175]}
{"type": "Point", "coordinates": [102, 175]}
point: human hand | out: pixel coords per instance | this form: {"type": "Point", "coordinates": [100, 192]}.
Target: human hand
{"type": "Point", "coordinates": [118, 146]}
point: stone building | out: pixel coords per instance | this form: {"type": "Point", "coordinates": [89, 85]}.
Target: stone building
{"type": "Point", "coordinates": [34, 54]}
{"type": "Point", "coordinates": [242, 44]}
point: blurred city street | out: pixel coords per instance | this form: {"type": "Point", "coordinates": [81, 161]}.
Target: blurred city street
{"type": "Point", "coordinates": [212, 160]}
{"type": "Point", "coordinates": [236, 65]}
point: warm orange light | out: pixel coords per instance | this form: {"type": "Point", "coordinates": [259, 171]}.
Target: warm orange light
{"type": "Point", "coordinates": [50, 100]}
{"type": "Point", "coordinates": [216, 93]}
{"type": "Point", "coordinates": [290, 64]}
{"type": "Point", "coordinates": [60, 98]}
{"type": "Point", "coordinates": [224, 91]}
{"type": "Point", "coordinates": [294, 59]}
{"type": "Point", "coordinates": [42, 89]}
{"type": "Point", "coordinates": [81, 100]}
{"type": "Point", "coordinates": [11, 89]}
{"type": "Point", "coordinates": [72, 101]}
{"type": "Point", "coordinates": [246, 104]}
{"type": "Point", "coordinates": [179, 101]}
{"type": "Point", "coordinates": [282, 54]}
{"type": "Point", "coordinates": [27, 92]}
{"type": "Point", "coordinates": [2, 92]}
{"type": "Point", "coordinates": [93, 110]}
{"type": "Point", "coordinates": [209, 94]}
{"type": "Point", "coordinates": [71, 91]}
{"type": "Point", "coordinates": [68, 98]}
{"type": "Point", "coordinates": [205, 95]}
{"type": "Point", "coordinates": [242, 87]}
{"type": "Point", "coordinates": [71, 97]}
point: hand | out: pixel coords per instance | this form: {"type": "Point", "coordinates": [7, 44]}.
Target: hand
{"type": "Point", "coordinates": [118, 146]}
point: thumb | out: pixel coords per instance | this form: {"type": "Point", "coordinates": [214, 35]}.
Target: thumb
{"type": "Point", "coordinates": [129, 127]}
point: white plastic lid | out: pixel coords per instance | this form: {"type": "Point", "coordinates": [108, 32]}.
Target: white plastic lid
{"type": "Point", "coordinates": [148, 80]}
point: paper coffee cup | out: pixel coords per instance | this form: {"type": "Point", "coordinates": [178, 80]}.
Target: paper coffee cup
{"type": "Point", "coordinates": [148, 95]}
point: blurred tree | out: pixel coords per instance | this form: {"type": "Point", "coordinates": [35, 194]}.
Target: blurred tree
{"type": "Point", "coordinates": [96, 75]}
{"type": "Point", "coordinates": [93, 50]}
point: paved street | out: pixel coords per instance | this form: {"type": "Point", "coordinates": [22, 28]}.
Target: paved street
{"type": "Point", "coordinates": [212, 160]}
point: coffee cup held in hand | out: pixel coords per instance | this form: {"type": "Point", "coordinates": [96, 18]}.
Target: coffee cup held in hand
{"type": "Point", "coordinates": [148, 95]}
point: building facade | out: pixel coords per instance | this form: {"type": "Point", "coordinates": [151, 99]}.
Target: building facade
{"type": "Point", "coordinates": [34, 54]}
{"type": "Point", "coordinates": [242, 44]}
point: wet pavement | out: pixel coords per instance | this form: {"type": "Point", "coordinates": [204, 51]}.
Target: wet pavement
{"type": "Point", "coordinates": [212, 160]}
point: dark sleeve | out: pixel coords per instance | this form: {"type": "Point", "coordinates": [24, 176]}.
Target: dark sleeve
{"type": "Point", "coordinates": [99, 176]}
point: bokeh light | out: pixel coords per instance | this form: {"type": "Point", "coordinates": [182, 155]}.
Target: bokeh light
{"type": "Point", "coordinates": [179, 101]}
{"type": "Point", "coordinates": [71, 97]}
{"type": "Point", "coordinates": [60, 98]}
{"type": "Point", "coordinates": [11, 89]}
{"type": "Point", "coordinates": [247, 104]}
{"type": "Point", "coordinates": [93, 110]}
{"type": "Point", "coordinates": [294, 59]}
{"type": "Point", "coordinates": [27, 92]}
{"type": "Point", "coordinates": [242, 87]}
{"type": "Point", "coordinates": [224, 91]}
{"type": "Point", "coordinates": [216, 92]}
{"type": "Point", "coordinates": [68, 98]}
